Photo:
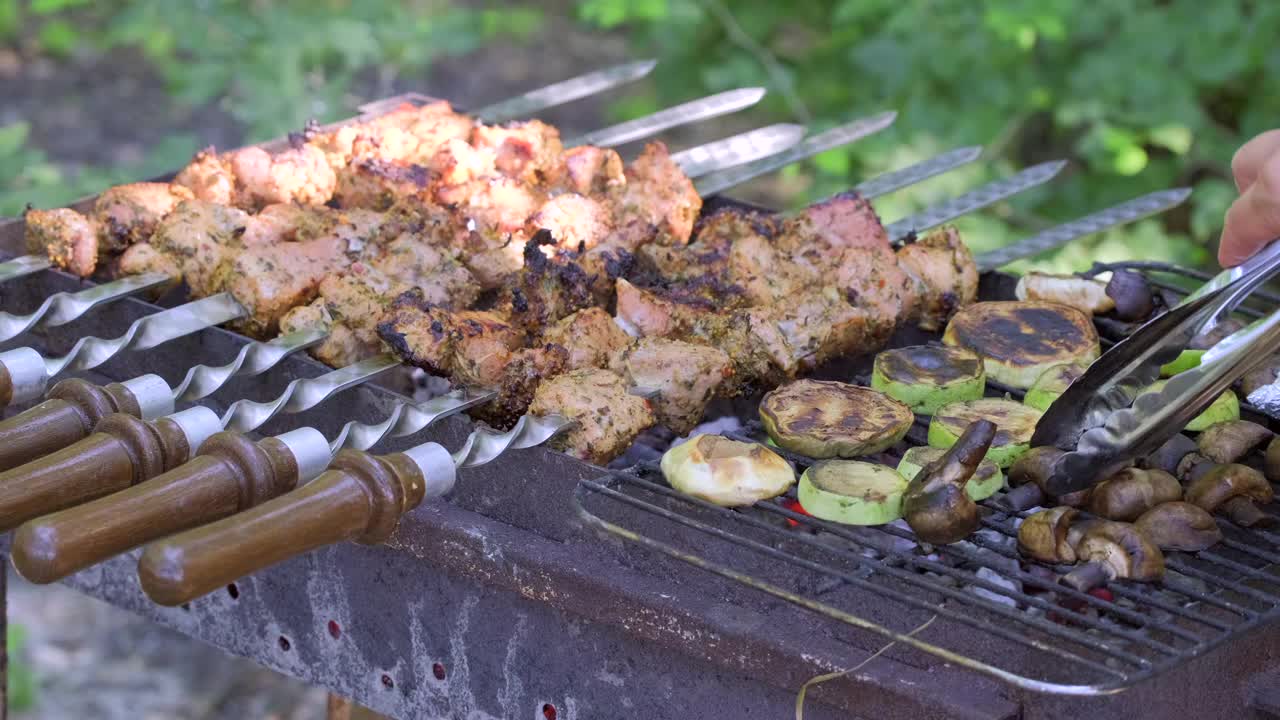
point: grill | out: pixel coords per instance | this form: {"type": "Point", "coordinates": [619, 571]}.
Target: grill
{"type": "Point", "coordinates": [545, 586]}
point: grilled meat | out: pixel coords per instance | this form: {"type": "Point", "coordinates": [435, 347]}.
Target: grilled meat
{"type": "Point", "coordinates": [590, 170]}
{"type": "Point", "coordinates": [591, 337]}
{"type": "Point", "coordinates": [300, 174]}
{"type": "Point", "coordinates": [685, 376]}
{"type": "Point", "coordinates": [209, 177]}
{"type": "Point", "coordinates": [199, 236]}
{"type": "Point", "coordinates": [69, 238]}
{"type": "Point", "coordinates": [944, 273]}
{"type": "Point", "coordinates": [658, 193]}
{"type": "Point", "coordinates": [130, 213]}
{"type": "Point", "coordinates": [608, 417]}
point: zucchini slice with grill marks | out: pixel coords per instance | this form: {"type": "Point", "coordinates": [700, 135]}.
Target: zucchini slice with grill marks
{"type": "Point", "coordinates": [827, 419]}
{"type": "Point", "coordinates": [1052, 383]}
{"type": "Point", "coordinates": [1014, 421]}
{"type": "Point", "coordinates": [987, 480]}
{"type": "Point", "coordinates": [1223, 409]}
{"type": "Point", "coordinates": [1019, 340]}
{"type": "Point", "coordinates": [852, 492]}
{"type": "Point", "coordinates": [926, 377]}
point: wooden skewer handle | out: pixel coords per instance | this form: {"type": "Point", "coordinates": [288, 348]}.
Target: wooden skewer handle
{"type": "Point", "coordinates": [361, 498]}
{"type": "Point", "coordinates": [72, 411]}
{"type": "Point", "coordinates": [231, 474]}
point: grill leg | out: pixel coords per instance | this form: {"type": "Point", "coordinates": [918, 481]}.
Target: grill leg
{"type": "Point", "coordinates": [338, 708]}
{"type": "Point", "coordinates": [4, 637]}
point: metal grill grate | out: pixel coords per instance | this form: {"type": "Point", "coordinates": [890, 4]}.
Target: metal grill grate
{"type": "Point", "coordinates": [997, 613]}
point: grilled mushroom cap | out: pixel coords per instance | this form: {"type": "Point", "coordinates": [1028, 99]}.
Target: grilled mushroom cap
{"type": "Point", "coordinates": [1233, 489]}
{"type": "Point", "coordinates": [1043, 536]}
{"type": "Point", "coordinates": [935, 504]}
{"type": "Point", "coordinates": [1179, 526]}
{"type": "Point", "coordinates": [1192, 467]}
{"type": "Point", "coordinates": [1170, 454]}
{"type": "Point", "coordinates": [1227, 442]}
{"type": "Point", "coordinates": [1273, 460]}
{"type": "Point", "coordinates": [1112, 550]}
{"type": "Point", "coordinates": [1028, 476]}
{"type": "Point", "coordinates": [1131, 492]}
{"type": "Point", "coordinates": [1263, 375]}
{"type": "Point", "coordinates": [1132, 295]}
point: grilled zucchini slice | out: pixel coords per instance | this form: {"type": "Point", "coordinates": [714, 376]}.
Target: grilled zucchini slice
{"type": "Point", "coordinates": [852, 492]}
{"type": "Point", "coordinates": [926, 377]}
{"type": "Point", "coordinates": [827, 419]}
{"type": "Point", "coordinates": [1019, 340]}
{"type": "Point", "coordinates": [1014, 421]}
{"type": "Point", "coordinates": [986, 481]}
{"type": "Point", "coordinates": [1052, 383]}
{"type": "Point", "coordinates": [1224, 409]}
{"type": "Point", "coordinates": [726, 472]}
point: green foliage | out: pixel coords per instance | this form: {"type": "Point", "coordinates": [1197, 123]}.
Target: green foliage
{"type": "Point", "coordinates": [22, 682]}
{"type": "Point", "coordinates": [1139, 94]}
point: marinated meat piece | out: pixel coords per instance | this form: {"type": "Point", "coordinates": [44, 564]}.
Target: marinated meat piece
{"type": "Point", "coordinates": [209, 177]}
{"type": "Point", "coordinates": [546, 289]}
{"type": "Point", "coordinates": [592, 170]}
{"type": "Point", "coordinates": [282, 223]}
{"type": "Point", "coordinates": [483, 347]}
{"type": "Point", "coordinates": [349, 305]}
{"type": "Point", "coordinates": [270, 280]}
{"type": "Point", "coordinates": [410, 261]}
{"type": "Point", "coordinates": [871, 279]}
{"type": "Point", "coordinates": [471, 346]}
{"type": "Point", "coordinates": [378, 184]}
{"type": "Point", "coordinates": [608, 418]}
{"type": "Point", "coordinates": [659, 193]}
{"type": "Point", "coordinates": [685, 375]}
{"type": "Point", "coordinates": [130, 213]}
{"type": "Point", "coordinates": [846, 220]}
{"type": "Point", "coordinates": [944, 274]}
{"type": "Point", "coordinates": [144, 258]}
{"type": "Point", "coordinates": [575, 222]}
{"type": "Point", "coordinates": [458, 163]}
{"type": "Point", "coordinates": [765, 275]}
{"type": "Point", "coordinates": [69, 238]}
{"type": "Point", "coordinates": [590, 336]}
{"type": "Point", "coordinates": [434, 125]}
{"type": "Point", "coordinates": [644, 312]}
{"type": "Point", "coordinates": [300, 174]}
{"type": "Point", "coordinates": [525, 371]}
{"type": "Point", "coordinates": [528, 151]}
{"type": "Point", "coordinates": [201, 237]}
{"type": "Point", "coordinates": [341, 347]}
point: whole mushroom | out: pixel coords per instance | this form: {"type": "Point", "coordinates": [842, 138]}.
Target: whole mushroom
{"type": "Point", "coordinates": [1132, 295]}
{"type": "Point", "coordinates": [1111, 550]}
{"type": "Point", "coordinates": [1260, 376]}
{"type": "Point", "coordinates": [1179, 526]}
{"type": "Point", "coordinates": [935, 503]}
{"type": "Point", "coordinates": [1272, 460]}
{"type": "Point", "coordinates": [1227, 442]}
{"type": "Point", "coordinates": [1234, 490]}
{"type": "Point", "coordinates": [1131, 492]}
{"type": "Point", "coordinates": [1029, 474]}
{"type": "Point", "coordinates": [1168, 456]}
{"type": "Point", "coordinates": [1044, 535]}
{"type": "Point", "coordinates": [1192, 467]}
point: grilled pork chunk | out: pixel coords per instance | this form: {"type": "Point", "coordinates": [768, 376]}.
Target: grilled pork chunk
{"type": "Point", "coordinates": [590, 170]}
{"type": "Point", "coordinates": [529, 152]}
{"type": "Point", "coordinates": [658, 193]}
{"type": "Point", "coordinates": [130, 213]}
{"type": "Point", "coordinates": [300, 175]}
{"type": "Point", "coordinates": [591, 337]}
{"type": "Point", "coordinates": [69, 238]}
{"type": "Point", "coordinates": [944, 274]}
{"type": "Point", "coordinates": [200, 236]}
{"type": "Point", "coordinates": [608, 416]}
{"type": "Point", "coordinates": [209, 177]}
{"type": "Point", "coordinates": [686, 377]}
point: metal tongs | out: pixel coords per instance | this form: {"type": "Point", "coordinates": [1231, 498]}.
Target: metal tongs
{"type": "Point", "coordinates": [1108, 417]}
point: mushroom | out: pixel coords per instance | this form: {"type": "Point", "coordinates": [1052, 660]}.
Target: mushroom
{"type": "Point", "coordinates": [1192, 467]}
{"type": "Point", "coordinates": [1168, 455]}
{"type": "Point", "coordinates": [1132, 295]}
{"type": "Point", "coordinates": [1260, 376]}
{"type": "Point", "coordinates": [1227, 442]}
{"type": "Point", "coordinates": [1131, 492]}
{"type": "Point", "coordinates": [1179, 526]}
{"type": "Point", "coordinates": [1030, 473]}
{"type": "Point", "coordinates": [1111, 550]}
{"type": "Point", "coordinates": [1044, 535]}
{"type": "Point", "coordinates": [1233, 489]}
{"type": "Point", "coordinates": [935, 504]}
{"type": "Point", "coordinates": [1273, 460]}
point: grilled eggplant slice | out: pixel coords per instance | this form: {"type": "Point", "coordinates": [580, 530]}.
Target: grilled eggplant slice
{"type": "Point", "coordinates": [1014, 422]}
{"type": "Point", "coordinates": [726, 472]}
{"type": "Point", "coordinates": [926, 377]}
{"type": "Point", "coordinates": [827, 419]}
{"type": "Point", "coordinates": [1020, 340]}
{"type": "Point", "coordinates": [1225, 409]}
{"type": "Point", "coordinates": [987, 480]}
{"type": "Point", "coordinates": [1051, 384]}
{"type": "Point", "coordinates": [852, 492]}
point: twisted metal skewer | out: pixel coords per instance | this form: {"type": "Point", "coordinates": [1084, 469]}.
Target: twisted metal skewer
{"type": "Point", "coordinates": [407, 418]}
{"type": "Point", "coordinates": [485, 444]}
{"type": "Point", "coordinates": [253, 359]}
{"type": "Point", "coordinates": [63, 307]}
{"type": "Point", "coordinates": [22, 266]}
{"type": "Point", "coordinates": [305, 393]}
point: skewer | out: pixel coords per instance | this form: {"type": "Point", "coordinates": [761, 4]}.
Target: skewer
{"type": "Point", "coordinates": [133, 503]}
{"type": "Point", "coordinates": [362, 497]}
{"type": "Point", "coordinates": [63, 307]}
{"type": "Point", "coordinates": [683, 114]}
{"type": "Point", "coordinates": [565, 91]}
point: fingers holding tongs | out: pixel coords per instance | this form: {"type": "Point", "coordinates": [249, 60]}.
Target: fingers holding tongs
{"type": "Point", "coordinates": [1112, 415]}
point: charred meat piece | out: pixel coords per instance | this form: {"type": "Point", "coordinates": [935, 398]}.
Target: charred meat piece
{"type": "Point", "coordinates": [546, 289]}
{"type": "Point", "coordinates": [575, 222]}
{"type": "Point", "coordinates": [592, 170]}
{"type": "Point", "coordinates": [470, 346]}
{"type": "Point", "coordinates": [591, 338]}
{"type": "Point", "coordinates": [659, 193]}
{"type": "Point", "coordinates": [348, 307]}
{"type": "Point", "coordinates": [608, 417]}
{"type": "Point", "coordinates": [69, 238]}
{"type": "Point", "coordinates": [129, 213]}
{"type": "Point", "coordinates": [944, 273]}
{"type": "Point", "coordinates": [686, 377]}
{"type": "Point", "coordinates": [525, 371]}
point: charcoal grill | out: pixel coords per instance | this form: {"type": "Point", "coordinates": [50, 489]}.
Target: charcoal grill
{"type": "Point", "coordinates": [546, 587]}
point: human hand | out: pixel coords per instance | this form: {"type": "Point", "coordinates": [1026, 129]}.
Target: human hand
{"type": "Point", "coordinates": [1253, 220]}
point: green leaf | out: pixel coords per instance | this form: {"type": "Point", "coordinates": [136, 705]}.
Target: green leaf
{"type": "Point", "coordinates": [59, 37]}
{"type": "Point", "coordinates": [49, 7]}
{"type": "Point", "coordinates": [1211, 198]}
{"type": "Point", "coordinates": [12, 138]}
{"type": "Point", "coordinates": [1175, 138]}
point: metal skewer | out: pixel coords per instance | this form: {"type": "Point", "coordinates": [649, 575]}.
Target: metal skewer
{"type": "Point", "coordinates": [682, 114]}
{"type": "Point", "coordinates": [63, 307]}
